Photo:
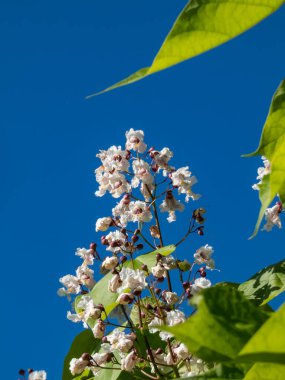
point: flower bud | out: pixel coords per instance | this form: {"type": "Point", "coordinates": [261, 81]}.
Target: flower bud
{"type": "Point", "coordinates": [125, 298]}
{"type": "Point", "coordinates": [86, 356]}
{"type": "Point", "coordinates": [158, 257]}
{"type": "Point", "coordinates": [93, 246]}
{"type": "Point", "coordinates": [139, 247]}
{"type": "Point", "coordinates": [22, 372]}
{"type": "Point", "coordinates": [123, 259]}
{"type": "Point", "coordinates": [135, 238]}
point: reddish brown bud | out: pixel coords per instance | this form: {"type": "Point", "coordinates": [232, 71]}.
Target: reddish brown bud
{"type": "Point", "coordinates": [22, 372]}
{"type": "Point", "coordinates": [139, 246]}
{"type": "Point", "coordinates": [123, 259]}
{"type": "Point", "coordinates": [158, 257]}
{"type": "Point", "coordinates": [93, 246]}
{"type": "Point", "coordinates": [135, 238]}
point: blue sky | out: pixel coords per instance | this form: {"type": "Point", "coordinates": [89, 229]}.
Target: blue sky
{"type": "Point", "coordinates": [208, 110]}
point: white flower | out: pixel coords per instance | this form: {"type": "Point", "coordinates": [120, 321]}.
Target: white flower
{"type": "Point", "coordinates": [99, 329]}
{"type": "Point", "coordinates": [115, 183]}
{"type": "Point", "coordinates": [121, 211]}
{"type": "Point", "coordinates": [85, 276]}
{"type": "Point", "coordinates": [128, 363]}
{"type": "Point", "coordinates": [139, 212]}
{"type": "Point", "coordinates": [132, 279]}
{"type": "Point", "coordinates": [161, 159]}
{"type": "Point", "coordinates": [199, 284]}
{"type": "Point", "coordinates": [114, 159]}
{"type": "Point", "coordinates": [170, 297]}
{"type": "Point", "coordinates": [183, 180]}
{"type": "Point", "coordinates": [77, 366]}
{"type": "Point", "coordinates": [262, 171]}
{"type": "Point", "coordinates": [172, 318]}
{"type": "Point", "coordinates": [86, 254]}
{"type": "Point", "coordinates": [181, 351]}
{"type": "Point", "coordinates": [103, 224]}
{"type": "Point", "coordinates": [110, 263]}
{"type": "Point", "coordinates": [135, 140]}
{"type": "Point", "coordinates": [120, 341]}
{"type": "Point", "coordinates": [114, 283]}
{"type": "Point", "coordinates": [37, 375]}
{"type": "Point", "coordinates": [100, 358]}
{"type": "Point", "coordinates": [170, 205]}
{"type": "Point", "coordinates": [158, 270]}
{"type": "Point", "coordinates": [142, 173]}
{"type": "Point", "coordinates": [272, 217]}
{"type": "Point", "coordinates": [203, 256]}
{"type": "Point", "coordinates": [71, 283]}
{"type": "Point", "coordinates": [115, 239]}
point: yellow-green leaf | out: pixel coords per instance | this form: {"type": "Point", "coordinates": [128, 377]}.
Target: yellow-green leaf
{"type": "Point", "coordinates": [268, 343]}
{"type": "Point", "coordinates": [268, 371]}
{"type": "Point", "coordinates": [272, 146]}
{"type": "Point", "coordinates": [201, 26]}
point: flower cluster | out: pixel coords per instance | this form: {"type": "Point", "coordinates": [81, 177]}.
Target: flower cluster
{"type": "Point", "coordinates": [139, 293]}
{"type": "Point", "coordinates": [272, 214]}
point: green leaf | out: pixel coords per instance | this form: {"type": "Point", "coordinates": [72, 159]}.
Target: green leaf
{"type": "Point", "coordinates": [149, 259]}
{"type": "Point", "coordinates": [201, 26]}
{"type": "Point", "coordinates": [223, 372]}
{"type": "Point", "coordinates": [268, 371]}
{"type": "Point", "coordinates": [266, 284]}
{"type": "Point", "coordinates": [272, 146]}
{"type": "Point", "coordinates": [224, 322]}
{"type": "Point", "coordinates": [268, 344]}
{"type": "Point", "coordinates": [83, 342]}
{"type": "Point", "coordinates": [86, 375]}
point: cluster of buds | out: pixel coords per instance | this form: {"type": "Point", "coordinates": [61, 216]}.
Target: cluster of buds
{"type": "Point", "coordinates": [30, 374]}
{"type": "Point", "coordinates": [272, 214]}
{"type": "Point", "coordinates": [144, 295]}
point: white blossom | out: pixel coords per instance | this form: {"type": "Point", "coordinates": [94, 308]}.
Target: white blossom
{"type": "Point", "coordinates": [100, 358]}
{"type": "Point", "coordinates": [141, 173]}
{"type": "Point", "coordinates": [102, 224]}
{"type": "Point", "coordinates": [262, 171]}
{"type": "Point", "coordinates": [147, 191]}
{"type": "Point", "coordinates": [114, 159]}
{"type": "Point", "coordinates": [121, 212]}
{"type": "Point", "coordinates": [158, 270]}
{"type": "Point", "coordinates": [272, 217]}
{"type": "Point", "coordinates": [77, 366]}
{"type": "Point", "coordinates": [183, 180]}
{"type": "Point", "coordinates": [135, 140]}
{"type": "Point", "coordinates": [199, 284]}
{"type": "Point", "coordinates": [139, 212]}
{"type": "Point", "coordinates": [172, 318]}
{"type": "Point", "coordinates": [181, 351]}
{"type": "Point", "coordinates": [120, 341]}
{"type": "Point", "coordinates": [161, 159]}
{"type": "Point", "coordinates": [133, 279]}
{"type": "Point", "coordinates": [85, 276]}
{"type": "Point", "coordinates": [86, 254]}
{"type": "Point", "coordinates": [203, 256]}
{"type": "Point", "coordinates": [116, 240]}
{"type": "Point", "coordinates": [128, 363]}
{"type": "Point", "coordinates": [37, 375]}
{"type": "Point", "coordinates": [170, 297]}
{"type": "Point", "coordinates": [170, 205]}
{"type": "Point", "coordinates": [115, 183]}
{"type": "Point", "coordinates": [114, 283]}
{"type": "Point", "coordinates": [99, 329]}
{"type": "Point", "coordinates": [110, 262]}
{"type": "Point", "coordinates": [71, 283]}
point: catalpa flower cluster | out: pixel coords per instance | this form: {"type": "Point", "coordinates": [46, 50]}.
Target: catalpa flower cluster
{"type": "Point", "coordinates": [272, 214]}
{"type": "Point", "coordinates": [139, 292]}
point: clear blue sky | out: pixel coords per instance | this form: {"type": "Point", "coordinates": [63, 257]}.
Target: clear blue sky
{"type": "Point", "coordinates": [209, 110]}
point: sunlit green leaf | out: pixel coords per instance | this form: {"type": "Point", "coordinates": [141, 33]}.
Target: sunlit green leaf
{"type": "Point", "coordinates": [224, 322]}
{"type": "Point", "coordinates": [201, 26]}
{"type": "Point", "coordinates": [266, 284]}
{"type": "Point", "coordinates": [272, 146]}
{"type": "Point", "coordinates": [83, 342]}
{"type": "Point", "coordinates": [268, 344]}
{"type": "Point", "coordinates": [268, 371]}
